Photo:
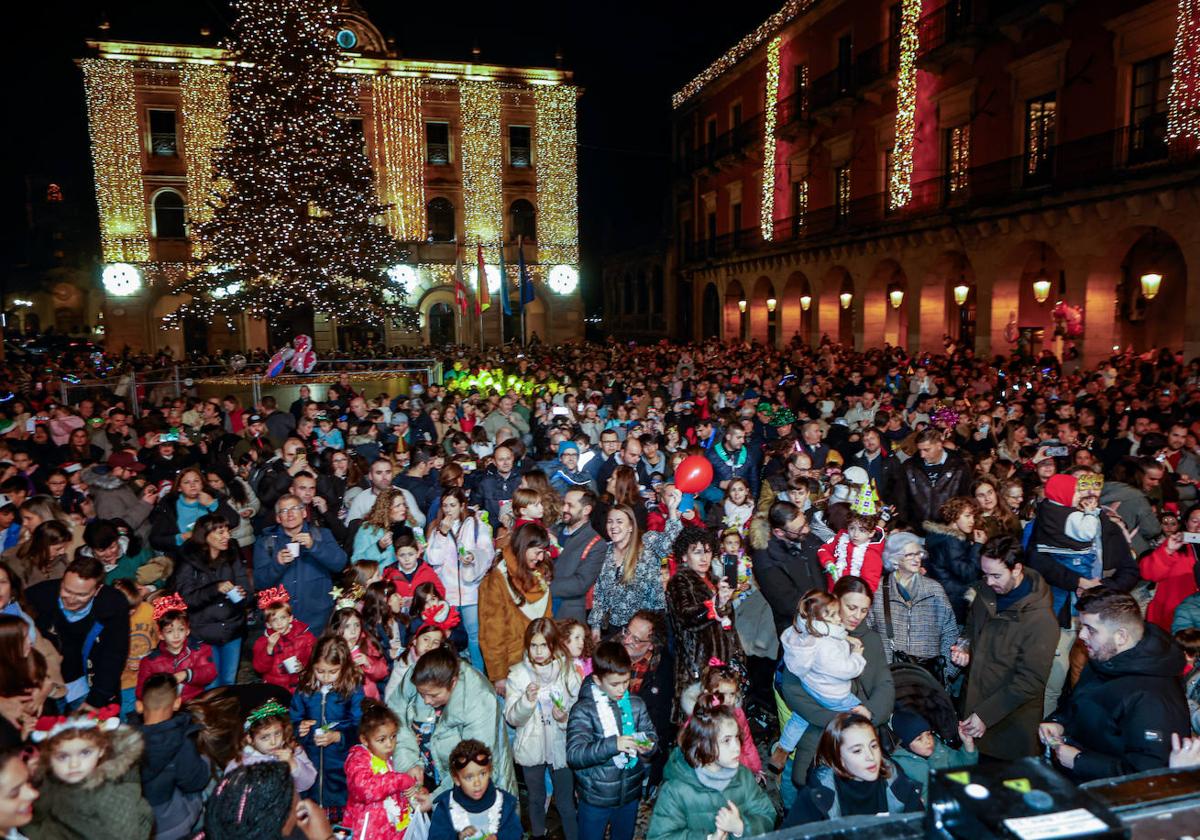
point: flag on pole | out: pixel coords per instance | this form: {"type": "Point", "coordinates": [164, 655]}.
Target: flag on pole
{"type": "Point", "coordinates": [482, 300]}
{"type": "Point", "coordinates": [505, 303]}
{"type": "Point", "coordinates": [460, 289]}
{"type": "Point", "coordinates": [526, 283]}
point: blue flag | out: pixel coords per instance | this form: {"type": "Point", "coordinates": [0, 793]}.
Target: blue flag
{"type": "Point", "coordinates": [505, 303]}
{"type": "Point", "coordinates": [526, 283]}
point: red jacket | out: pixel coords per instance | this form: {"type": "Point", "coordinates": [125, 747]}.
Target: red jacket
{"type": "Point", "coordinates": [424, 574]}
{"type": "Point", "coordinates": [375, 797]}
{"type": "Point", "coordinates": [196, 658]}
{"type": "Point", "coordinates": [376, 668]}
{"type": "Point", "coordinates": [864, 560]}
{"type": "Point", "coordinates": [1175, 579]}
{"type": "Point", "coordinates": [297, 642]}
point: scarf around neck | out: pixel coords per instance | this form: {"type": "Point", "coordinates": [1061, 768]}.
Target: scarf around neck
{"type": "Point", "coordinates": [717, 779]}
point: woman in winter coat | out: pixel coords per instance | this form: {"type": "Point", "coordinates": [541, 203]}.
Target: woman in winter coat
{"type": "Point", "coordinates": [237, 493]}
{"type": "Point", "coordinates": [461, 551]}
{"type": "Point", "coordinates": [177, 512]}
{"type": "Point", "coordinates": [515, 592]}
{"type": "Point", "coordinates": [541, 689]}
{"type": "Point", "coordinates": [853, 778]}
{"type": "Point", "coordinates": [441, 701]}
{"type": "Point", "coordinates": [211, 578]}
{"type": "Point", "coordinates": [700, 608]}
{"type": "Point", "coordinates": [1172, 566]}
{"type": "Point", "coordinates": [953, 545]}
{"type": "Point", "coordinates": [705, 788]}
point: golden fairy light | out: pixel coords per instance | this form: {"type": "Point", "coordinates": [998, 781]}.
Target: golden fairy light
{"type": "Point", "coordinates": [900, 188]}
{"type": "Point", "coordinates": [767, 206]}
{"type": "Point", "coordinates": [204, 107]}
{"type": "Point", "coordinates": [557, 180]}
{"type": "Point", "coordinates": [482, 162]}
{"type": "Point", "coordinates": [399, 159]}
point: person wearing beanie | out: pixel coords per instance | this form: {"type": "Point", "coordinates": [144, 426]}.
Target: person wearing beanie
{"type": "Point", "coordinates": [919, 750]}
{"type": "Point", "coordinates": [565, 473]}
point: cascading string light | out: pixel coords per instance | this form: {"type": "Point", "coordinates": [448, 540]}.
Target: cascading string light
{"type": "Point", "coordinates": [1183, 108]}
{"type": "Point", "coordinates": [482, 163]}
{"type": "Point", "coordinates": [556, 142]}
{"type": "Point", "coordinates": [767, 206]}
{"type": "Point", "coordinates": [204, 107]}
{"type": "Point", "coordinates": [900, 188]}
{"type": "Point", "coordinates": [110, 88]}
{"type": "Point", "coordinates": [400, 154]}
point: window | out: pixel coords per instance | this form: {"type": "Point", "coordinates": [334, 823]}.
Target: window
{"type": "Point", "coordinates": [519, 149]}
{"type": "Point", "coordinates": [711, 222]}
{"type": "Point", "coordinates": [1148, 109]}
{"type": "Point", "coordinates": [522, 220]}
{"type": "Point", "coordinates": [1040, 120]}
{"type": "Point", "coordinates": [169, 216]}
{"type": "Point", "coordinates": [735, 116]}
{"type": "Point", "coordinates": [437, 143]}
{"type": "Point", "coordinates": [163, 139]}
{"type": "Point", "coordinates": [800, 90]}
{"type": "Point", "coordinates": [958, 160]}
{"type": "Point", "coordinates": [894, 22]}
{"type": "Point", "coordinates": [841, 191]}
{"type": "Point", "coordinates": [845, 65]}
{"type": "Point", "coordinates": [440, 216]}
{"type": "Point", "coordinates": [710, 130]}
{"type": "Point", "coordinates": [799, 205]}
{"type": "Point", "coordinates": [735, 222]}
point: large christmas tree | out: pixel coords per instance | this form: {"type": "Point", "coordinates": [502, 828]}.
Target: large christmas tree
{"type": "Point", "coordinates": [295, 220]}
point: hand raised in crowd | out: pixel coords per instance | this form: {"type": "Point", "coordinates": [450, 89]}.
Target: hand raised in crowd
{"type": "Point", "coordinates": [1185, 752]}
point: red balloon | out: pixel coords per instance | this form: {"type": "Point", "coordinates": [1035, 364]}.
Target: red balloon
{"type": "Point", "coordinates": [693, 474]}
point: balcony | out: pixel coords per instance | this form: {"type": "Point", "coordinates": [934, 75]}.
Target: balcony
{"type": "Point", "coordinates": [1109, 160]}
{"type": "Point", "coordinates": [952, 32]}
{"type": "Point", "coordinates": [792, 117]}
{"type": "Point", "coordinates": [832, 93]}
{"type": "Point", "coordinates": [725, 150]}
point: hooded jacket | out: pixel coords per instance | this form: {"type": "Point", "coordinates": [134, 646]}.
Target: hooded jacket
{"type": "Point", "coordinates": [116, 499]}
{"type": "Point", "coordinates": [539, 736]}
{"type": "Point", "coordinates": [823, 660]}
{"type": "Point", "coordinates": [1123, 711]}
{"type": "Point", "coordinates": [1011, 655]}
{"type": "Point", "coordinates": [953, 562]}
{"type": "Point", "coordinates": [174, 776]}
{"type": "Point", "coordinates": [784, 571]}
{"type": "Point", "coordinates": [107, 805]}
{"type": "Point", "coordinates": [687, 810]}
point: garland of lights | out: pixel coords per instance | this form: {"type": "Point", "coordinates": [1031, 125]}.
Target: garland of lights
{"type": "Point", "coordinates": [557, 181]}
{"type": "Point", "coordinates": [1183, 111]}
{"type": "Point", "coordinates": [766, 218]}
{"type": "Point", "coordinates": [482, 162]}
{"type": "Point", "coordinates": [399, 154]}
{"type": "Point", "coordinates": [900, 188]}
{"type": "Point", "coordinates": [740, 50]}
{"type": "Point", "coordinates": [204, 106]}
{"type": "Point", "coordinates": [110, 88]}
{"type": "Point", "coordinates": [801, 208]}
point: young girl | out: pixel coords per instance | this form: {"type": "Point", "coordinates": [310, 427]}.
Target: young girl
{"type": "Point", "coordinates": [346, 622]}
{"type": "Point", "coordinates": [541, 690]}
{"type": "Point", "coordinates": [328, 435]}
{"type": "Point", "coordinates": [474, 807]}
{"type": "Point", "coordinates": [268, 737]}
{"type": "Point", "coordinates": [384, 617]}
{"type": "Point", "coordinates": [143, 638]}
{"type": "Point", "coordinates": [92, 789]}
{"type": "Point", "coordinates": [422, 639]}
{"type": "Point", "coordinates": [377, 804]}
{"type": "Point", "coordinates": [818, 651]}
{"type": "Point", "coordinates": [856, 550]}
{"type": "Point", "coordinates": [361, 573]}
{"type": "Point", "coordinates": [428, 607]}
{"type": "Point", "coordinates": [723, 684]}
{"type": "Point", "coordinates": [284, 650]}
{"type": "Point", "coordinates": [188, 659]}
{"type": "Point", "coordinates": [577, 644]}
{"type": "Point", "coordinates": [735, 512]}
{"type": "Point", "coordinates": [736, 565]}
{"type": "Point", "coordinates": [326, 709]}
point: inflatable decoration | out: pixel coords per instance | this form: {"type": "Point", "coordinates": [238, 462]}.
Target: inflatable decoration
{"type": "Point", "coordinates": [694, 474]}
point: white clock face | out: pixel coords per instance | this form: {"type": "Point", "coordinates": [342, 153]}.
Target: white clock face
{"type": "Point", "coordinates": [403, 275]}
{"type": "Point", "coordinates": [564, 279]}
{"type": "Point", "coordinates": [493, 278]}
{"type": "Point", "coordinates": [121, 279]}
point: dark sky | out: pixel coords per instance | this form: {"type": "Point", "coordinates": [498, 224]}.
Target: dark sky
{"type": "Point", "coordinates": [629, 67]}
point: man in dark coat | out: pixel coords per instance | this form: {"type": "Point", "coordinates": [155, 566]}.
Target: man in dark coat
{"type": "Point", "coordinates": [1128, 702]}
{"type": "Point", "coordinates": [1013, 634]}
{"type": "Point", "coordinates": [580, 557]}
{"type": "Point", "coordinates": [929, 480]}
{"type": "Point", "coordinates": [880, 465]}
{"type": "Point", "coordinates": [498, 484]}
{"type": "Point", "coordinates": [653, 678]}
{"type": "Point", "coordinates": [784, 555]}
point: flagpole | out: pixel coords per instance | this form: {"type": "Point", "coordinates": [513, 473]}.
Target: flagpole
{"type": "Point", "coordinates": [521, 284]}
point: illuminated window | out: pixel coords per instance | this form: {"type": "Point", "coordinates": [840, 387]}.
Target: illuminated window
{"type": "Point", "coordinates": [799, 205]}
{"type": "Point", "coordinates": [440, 215]}
{"type": "Point", "coordinates": [958, 160]}
{"type": "Point", "coordinates": [1040, 133]}
{"type": "Point", "coordinates": [437, 143]}
{"type": "Point", "coordinates": [169, 216]}
{"type": "Point", "coordinates": [164, 141]}
{"type": "Point", "coordinates": [1148, 109]}
{"type": "Point", "coordinates": [841, 184]}
{"type": "Point", "coordinates": [519, 146]}
{"type": "Point", "coordinates": [522, 220]}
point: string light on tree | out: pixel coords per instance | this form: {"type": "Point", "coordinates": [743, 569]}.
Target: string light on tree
{"type": "Point", "coordinates": [767, 205]}
{"type": "Point", "coordinates": [900, 188]}
{"type": "Point", "coordinates": [1183, 110]}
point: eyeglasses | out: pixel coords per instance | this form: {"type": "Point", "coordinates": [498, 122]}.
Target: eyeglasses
{"type": "Point", "coordinates": [629, 637]}
{"type": "Point", "coordinates": [294, 509]}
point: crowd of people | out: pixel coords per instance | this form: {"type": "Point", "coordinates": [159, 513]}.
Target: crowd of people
{"type": "Point", "coordinates": [672, 590]}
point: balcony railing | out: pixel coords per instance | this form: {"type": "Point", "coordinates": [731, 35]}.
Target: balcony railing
{"type": "Point", "coordinates": [732, 142]}
{"type": "Point", "coordinates": [791, 110]}
{"type": "Point", "coordinates": [1126, 154]}
{"type": "Point", "coordinates": [949, 22]}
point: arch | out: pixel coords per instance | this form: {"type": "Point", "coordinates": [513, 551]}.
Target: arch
{"type": "Point", "coordinates": [439, 326]}
{"type": "Point", "coordinates": [764, 324]}
{"type": "Point", "coordinates": [522, 221]}
{"type": "Point", "coordinates": [880, 317]}
{"type": "Point", "coordinates": [1013, 299]}
{"type": "Point", "coordinates": [710, 312]}
{"type": "Point", "coordinates": [794, 319]}
{"type": "Point", "coordinates": [836, 322]}
{"type": "Point", "coordinates": [734, 320]}
{"type": "Point", "coordinates": [1143, 324]}
{"type": "Point", "coordinates": [439, 216]}
{"type": "Point", "coordinates": [168, 216]}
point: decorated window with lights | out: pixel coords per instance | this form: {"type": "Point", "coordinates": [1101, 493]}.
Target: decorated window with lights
{"type": "Point", "coordinates": [1149, 95]}
{"type": "Point", "coordinates": [841, 192]}
{"type": "Point", "coordinates": [164, 140]}
{"type": "Point", "coordinates": [958, 160]}
{"type": "Point", "coordinates": [1041, 129]}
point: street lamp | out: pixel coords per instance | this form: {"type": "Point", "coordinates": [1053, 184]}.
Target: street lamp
{"type": "Point", "coordinates": [1041, 288]}
{"type": "Point", "coordinates": [960, 293]}
{"type": "Point", "coordinates": [846, 298]}
{"type": "Point", "coordinates": [771, 304]}
{"type": "Point", "coordinates": [742, 305]}
{"type": "Point", "coordinates": [896, 296]}
{"type": "Point", "coordinates": [1150, 284]}
{"type": "Point", "coordinates": [805, 302]}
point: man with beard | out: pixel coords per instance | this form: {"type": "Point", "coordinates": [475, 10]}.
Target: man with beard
{"type": "Point", "coordinates": [1128, 701]}
{"type": "Point", "coordinates": [785, 560]}
{"type": "Point", "coordinates": [580, 557]}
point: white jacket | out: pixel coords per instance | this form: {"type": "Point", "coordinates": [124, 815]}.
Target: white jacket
{"type": "Point", "coordinates": [462, 581]}
{"type": "Point", "coordinates": [825, 663]}
{"type": "Point", "coordinates": [540, 739]}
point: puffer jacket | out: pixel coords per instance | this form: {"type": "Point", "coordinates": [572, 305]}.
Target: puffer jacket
{"type": "Point", "coordinates": [687, 810]}
{"type": "Point", "coordinates": [540, 738]}
{"type": "Point", "coordinates": [116, 499]}
{"type": "Point", "coordinates": [461, 582]}
{"type": "Point", "coordinates": [471, 712]}
{"type": "Point", "coordinates": [174, 776]}
{"type": "Point", "coordinates": [214, 618]}
{"type": "Point", "coordinates": [297, 642]}
{"type": "Point", "coordinates": [195, 658]}
{"type": "Point", "coordinates": [953, 562]}
{"type": "Point", "coordinates": [818, 800]}
{"type": "Point", "coordinates": [333, 712]}
{"type": "Point", "coordinates": [1187, 614]}
{"type": "Point", "coordinates": [590, 753]}
{"type": "Point", "coordinates": [107, 805]}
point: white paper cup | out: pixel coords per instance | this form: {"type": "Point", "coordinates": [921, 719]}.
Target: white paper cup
{"type": "Point", "coordinates": [294, 547]}
{"type": "Point", "coordinates": [235, 596]}
{"type": "Point", "coordinates": [292, 665]}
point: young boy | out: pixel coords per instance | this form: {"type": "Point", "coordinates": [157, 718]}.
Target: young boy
{"type": "Point", "coordinates": [408, 572]}
{"type": "Point", "coordinates": [607, 734]}
{"type": "Point", "coordinates": [174, 775]}
{"type": "Point", "coordinates": [921, 751]}
{"type": "Point", "coordinates": [283, 651]}
{"type": "Point", "coordinates": [187, 659]}
{"type": "Point", "coordinates": [474, 807]}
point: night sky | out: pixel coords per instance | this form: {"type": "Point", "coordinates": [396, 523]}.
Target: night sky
{"type": "Point", "coordinates": [629, 67]}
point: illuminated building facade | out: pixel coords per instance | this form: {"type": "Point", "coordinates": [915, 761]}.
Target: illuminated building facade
{"type": "Point", "coordinates": [463, 154]}
{"type": "Point", "coordinates": [904, 171]}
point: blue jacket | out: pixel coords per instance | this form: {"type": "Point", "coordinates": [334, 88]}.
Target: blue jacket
{"type": "Point", "coordinates": [727, 468]}
{"type": "Point", "coordinates": [307, 579]}
{"type": "Point", "coordinates": [366, 547]}
{"type": "Point", "coordinates": [337, 714]}
{"type": "Point", "coordinates": [493, 489]}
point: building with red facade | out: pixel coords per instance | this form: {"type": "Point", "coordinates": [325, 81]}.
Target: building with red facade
{"type": "Point", "coordinates": [872, 171]}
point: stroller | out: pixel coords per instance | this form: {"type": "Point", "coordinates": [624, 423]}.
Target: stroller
{"type": "Point", "coordinates": [919, 691]}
